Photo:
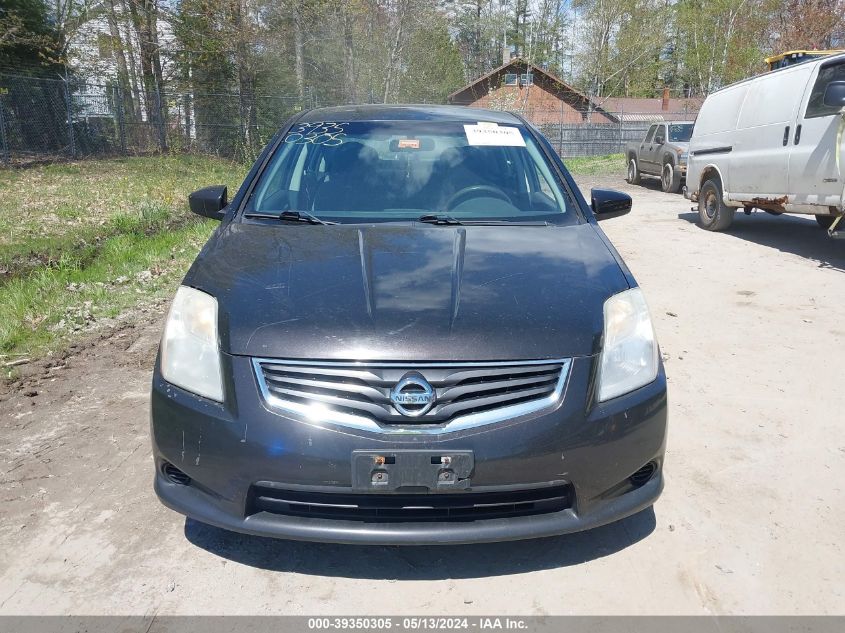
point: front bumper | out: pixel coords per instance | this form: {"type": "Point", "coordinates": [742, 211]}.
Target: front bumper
{"type": "Point", "coordinates": [226, 449]}
{"type": "Point", "coordinates": [202, 507]}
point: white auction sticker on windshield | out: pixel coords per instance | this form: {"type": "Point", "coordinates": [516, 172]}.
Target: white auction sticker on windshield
{"type": "Point", "coordinates": [486, 134]}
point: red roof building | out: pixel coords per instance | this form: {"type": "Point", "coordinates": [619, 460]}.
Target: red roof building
{"type": "Point", "coordinates": [542, 97]}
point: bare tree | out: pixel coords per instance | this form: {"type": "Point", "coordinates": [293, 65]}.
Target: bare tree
{"type": "Point", "coordinates": [807, 24]}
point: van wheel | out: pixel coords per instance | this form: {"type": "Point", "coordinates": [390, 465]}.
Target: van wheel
{"type": "Point", "coordinates": [633, 172]}
{"type": "Point", "coordinates": [713, 213]}
{"type": "Point", "coordinates": [669, 179]}
{"type": "Point", "coordinates": [826, 221]}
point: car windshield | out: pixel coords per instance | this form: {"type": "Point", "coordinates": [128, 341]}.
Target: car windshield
{"type": "Point", "coordinates": [680, 132]}
{"type": "Point", "coordinates": [376, 171]}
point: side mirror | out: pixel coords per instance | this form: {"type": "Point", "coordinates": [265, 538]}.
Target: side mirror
{"type": "Point", "coordinates": [659, 140]}
{"type": "Point", "coordinates": [834, 94]}
{"type": "Point", "coordinates": [209, 202]}
{"type": "Point", "coordinates": [608, 203]}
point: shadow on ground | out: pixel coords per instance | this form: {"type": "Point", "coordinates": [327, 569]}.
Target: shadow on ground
{"type": "Point", "coordinates": [651, 183]}
{"type": "Point", "coordinates": [799, 235]}
{"type": "Point", "coordinates": [424, 562]}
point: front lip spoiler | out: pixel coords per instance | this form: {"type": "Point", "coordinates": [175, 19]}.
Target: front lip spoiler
{"type": "Point", "coordinates": [200, 506]}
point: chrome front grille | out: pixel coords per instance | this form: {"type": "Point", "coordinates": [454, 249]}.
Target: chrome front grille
{"type": "Point", "coordinates": [359, 394]}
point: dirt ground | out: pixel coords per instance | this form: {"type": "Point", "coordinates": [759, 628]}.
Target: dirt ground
{"type": "Point", "coordinates": [751, 326]}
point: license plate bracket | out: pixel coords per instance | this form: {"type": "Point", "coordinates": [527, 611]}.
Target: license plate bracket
{"type": "Point", "coordinates": [387, 471]}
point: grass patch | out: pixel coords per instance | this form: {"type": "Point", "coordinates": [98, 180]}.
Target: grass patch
{"type": "Point", "coordinates": [609, 164]}
{"type": "Point", "coordinates": [84, 242]}
{"type": "Point", "coordinates": [49, 211]}
{"type": "Point", "coordinates": [48, 307]}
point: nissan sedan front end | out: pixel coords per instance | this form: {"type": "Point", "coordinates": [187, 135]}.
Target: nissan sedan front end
{"type": "Point", "coordinates": [408, 329]}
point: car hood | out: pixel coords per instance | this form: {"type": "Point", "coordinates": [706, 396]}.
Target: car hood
{"type": "Point", "coordinates": [408, 292]}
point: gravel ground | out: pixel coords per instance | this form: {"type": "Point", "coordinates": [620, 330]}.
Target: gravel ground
{"type": "Point", "coordinates": [751, 326]}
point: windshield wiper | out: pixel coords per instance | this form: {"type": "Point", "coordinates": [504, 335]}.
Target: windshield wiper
{"type": "Point", "coordinates": [439, 218]}
{"type": "Point", "coordinates": [448, 220]}
{"type": "Point", "coordinates": [287, 216]}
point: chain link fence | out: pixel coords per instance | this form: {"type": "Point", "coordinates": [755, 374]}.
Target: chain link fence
{"type": "Point", "coordinates": [50, 119]}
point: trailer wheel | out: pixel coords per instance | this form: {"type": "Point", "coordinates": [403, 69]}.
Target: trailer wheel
{"type": "Point", "coordinates": [633, 172]}
{"type": "Point", "coordinates": [670, 180]}
{"type": "Point", "coordinates": [713, 213]}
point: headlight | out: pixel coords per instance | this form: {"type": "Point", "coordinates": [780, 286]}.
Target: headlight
{"type": "Point", "coordinates": [629, 354]}
{"type": "Point", "coordinates": [190, 355]}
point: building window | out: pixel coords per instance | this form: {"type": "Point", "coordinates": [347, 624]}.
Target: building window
{"type": "Point", "coordinates": [527, 79]}
{"type": "Point", "coordinates": [510, 79]}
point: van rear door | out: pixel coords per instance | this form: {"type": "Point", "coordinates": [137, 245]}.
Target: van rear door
{"type": "Point", "coordinates": [814, 178]}
{"type": "Point", "coordinates": [763, 139]}
{"type": "Point", "coordinates": [713, 136]}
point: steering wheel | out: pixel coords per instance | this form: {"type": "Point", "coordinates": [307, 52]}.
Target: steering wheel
{"type": "Point", "coordinates": [472, 192]}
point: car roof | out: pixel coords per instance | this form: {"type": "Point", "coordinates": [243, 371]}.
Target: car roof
{"type": "Point", "coordinates": [380, 112]}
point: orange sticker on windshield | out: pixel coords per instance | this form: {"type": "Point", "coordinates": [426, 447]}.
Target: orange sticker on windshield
{"type": "Point", "coordinates": [409, 143]}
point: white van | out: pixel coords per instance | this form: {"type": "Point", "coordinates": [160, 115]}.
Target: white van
{"type": "Point", "coordinates": [773, 142]}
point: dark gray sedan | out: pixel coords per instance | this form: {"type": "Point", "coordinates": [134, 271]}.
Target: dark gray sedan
{"type": "Point", "coordinates": [408, 328]}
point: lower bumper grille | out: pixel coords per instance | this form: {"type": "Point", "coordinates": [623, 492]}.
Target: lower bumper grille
{"type": "Point", "coordinates": [383, 508]}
